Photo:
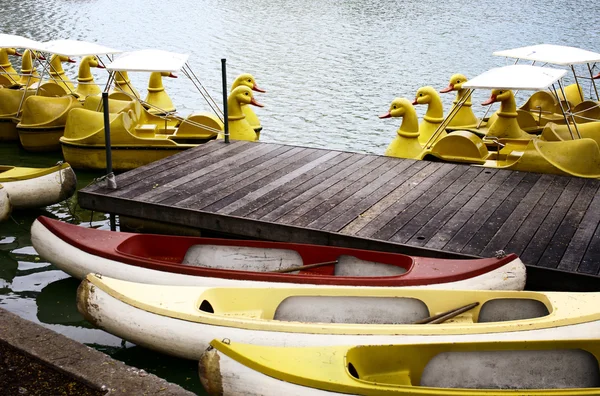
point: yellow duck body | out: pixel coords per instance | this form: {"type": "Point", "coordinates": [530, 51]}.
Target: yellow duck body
{"type": "Point", "coordinates": [10, 99]}
{"type": "Point", "coordinates": [8, 74]}
{"type": "Point", "coordinates": [239, 127]}
{"type": "Point", "coordinates": [465, 118]}
{"type": "Point", "coordinates": [505, 124]}
{"type": "Point", "coordinates": [29, 74]}
{"type": "Point", "coordinates": [434, 114]}
{"type": "Point", "coordinates": [406, 143]}
{"type": "Point", "coordinates": [249, 81]}
{"type": "Point", "coordinates": [157, 96]}
{"type": "Point", "coordinates": [87, 86]}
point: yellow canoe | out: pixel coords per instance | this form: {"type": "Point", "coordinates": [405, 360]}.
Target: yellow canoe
{"type": "Point", "coordinates": [38, 187]}
{"type": "Point", "coordinates": [568, 367]}
{"type": "Point", "coordinates": [182, 320]}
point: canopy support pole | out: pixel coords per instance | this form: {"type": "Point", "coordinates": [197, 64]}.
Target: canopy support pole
{"type": "Point", "coordinates": [111, 182]}
{"type": "Point", "coordinates": [224, 78]}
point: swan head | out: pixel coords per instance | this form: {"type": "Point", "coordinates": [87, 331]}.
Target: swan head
{"type": "Point", "coordinates": [425, 95]}
{"type": "Point", "coordinates": [498, 95]}
{"type": "Point", "coordinates": [398, 108]}
{"type": "Point", "coordinates": [456, 82]}
{"type": "Point", "coordinates": [61, 59]}
{"type": "Point", "coordinates": [243, 95]}
{"type": "Point", "coordinates": [168, 74]}
{"type": "Point", "coordinates": [247, 80]}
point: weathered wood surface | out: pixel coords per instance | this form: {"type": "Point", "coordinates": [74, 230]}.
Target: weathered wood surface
{"type": "Point", "coordinates": [281, 192]}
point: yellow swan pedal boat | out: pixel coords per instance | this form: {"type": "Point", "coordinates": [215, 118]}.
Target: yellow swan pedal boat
{"type": "Point", "coordinates": [8, 74]}
{"type": "Point", "coordinates": [5, 206]}
{"type": "Point", "coordinates": [44, 116]}
{"type": "Point", "coordinates": [566, 367]}
{"type": "Point", "coordinates": [38, 187]}
{"type": "Point", "coordinates": [182, 320]}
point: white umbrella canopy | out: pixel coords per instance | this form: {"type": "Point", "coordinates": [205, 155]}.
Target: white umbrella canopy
{"type": "Point", "coordinates": [14, 41]}
{"type": "Point", "coordinates": [77, 48]}
{"type": "Point", "coordinates": [519, 77]}
{"type": "Point", "coordinates": [149, 60]}
{"type": "Point", "coordinates": [550, 53]}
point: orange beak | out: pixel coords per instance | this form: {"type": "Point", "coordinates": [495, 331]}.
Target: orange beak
{"type": "Point", "coordinates": [415, 102]}
{"type": "Point", "coordinates": [100, 67]}
{"type": "Point", "coordinates": [17, 53]}
{"type": "Point", "coordinates": [257, 89]}
{"type": "Point", "coordinates": [41, 57]}
{"type": "Point", "coordinates": [71, 60]}
{"type": "Point", "coordinates": [491, 100]}
{"type": "Point", "coordinates": [597, 76]}
{"type": "Point", "coordinates": [172, 75]}
{"type": "Point", "coordinates": [449, 88]}
{"type": "Point", "coordinates": [255, 103]}
{"type": "Point", "coordinates": [386, 115]}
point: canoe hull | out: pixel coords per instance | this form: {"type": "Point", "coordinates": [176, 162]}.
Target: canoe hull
{"type": "Point", "coordinates": [79, 263]}
{"type": "Point", "coordinates": [189, 339]}
{"type": "Point", "coordinates": [44, 190]}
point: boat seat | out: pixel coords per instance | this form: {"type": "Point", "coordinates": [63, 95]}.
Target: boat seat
{"type": "Point", "coordinates": [350, 309]}
{"type": "Point", "coordinates": [505, 309]}
{"type": "Point", "coordinates": [145, 130]}
{"type": "Point", "coordinates": [586, 111]}
{"type": "Point", "coordinates": [512, 369]}
{"type": "Point", "coordinates": [542, 101]}
{"type": "Point", "coordinates": [573, 93]}
{"type": "Point", "coordinates": [352, 266]}
{"type": "Point", "coordinates": [242, 258]}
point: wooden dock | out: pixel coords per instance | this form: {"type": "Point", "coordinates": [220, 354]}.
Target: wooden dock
{"type": "Point", "coordinates": [290, 193]}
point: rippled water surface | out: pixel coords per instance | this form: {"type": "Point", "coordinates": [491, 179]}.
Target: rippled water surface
{"type": "Point", "coordinates": [330, 67]}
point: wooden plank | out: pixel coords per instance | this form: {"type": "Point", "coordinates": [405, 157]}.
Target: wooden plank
{"type": "Point", "coordinates": [161, 179]}
{"type": "Point", "coordinates": [294, 215]}
{"type": "Point", "coordinates": [591, 262]}
{"type": "Point", "coordinates": [443, 215]}
{"type": "Point", "coordinates": [174, 161]}
{"type": "Point", "coordinates": [556, 214]}
{"type": "Point", "coordinates": [259, 184]}
{"type": "Point", "coordinates": [515, 221]}
{"type": "Point", "coordinates": [296, 194]}
{"type": "Point", "coordinates": [212, 192]}
{"type": "Point", "coordinates": [483, 212]}
{"type": "Point", "coordinates": [362, 201]}
{"type": "Point", "coordinates": [566, 230]}
{"type": "Point", "coordinates": [296, 202]}
{"type": "Point", "coordinates": [287, 183]}
{"type": "Point", "coordinates": [375, 213]}
{"type": "Point", "coordinates": [341, 202]}
{"type": "Point", "coordinates": [499, 216]}
{"type": "Point", "coordinates": [447, 231]}
{"type": "Point", "coordinates": [218, 173]}
{"type": "Point", "coordinates": [415, 201]}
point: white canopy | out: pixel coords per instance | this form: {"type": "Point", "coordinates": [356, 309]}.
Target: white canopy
{"type": "Point", "coordinates": [526, 77]}
{"type": "Point", "coordinates": [14, 41]}
{"type": "Point", "coordinates": [550, 53]}
{"type": "Point", "coordinates": [77, 48]}
{"type": "Point", "coordinates": [149, 60]}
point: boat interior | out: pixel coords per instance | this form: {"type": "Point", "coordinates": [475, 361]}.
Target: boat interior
{"type": "Point", "coordinates": [512, 365]}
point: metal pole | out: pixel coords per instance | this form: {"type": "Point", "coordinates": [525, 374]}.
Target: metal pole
{"type": "Point", "coordinates": [111, 182]}
{"type": "Point", "coordinates": [224, 78]}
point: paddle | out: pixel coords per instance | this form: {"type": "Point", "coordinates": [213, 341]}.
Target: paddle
{"type": "Point", "coordinates": [442, 317]}
{"type": "Point", "coordinates": [303, 267]}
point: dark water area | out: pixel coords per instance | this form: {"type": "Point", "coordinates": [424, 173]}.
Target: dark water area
{"type": "Point", "coordinates": [329, 68]}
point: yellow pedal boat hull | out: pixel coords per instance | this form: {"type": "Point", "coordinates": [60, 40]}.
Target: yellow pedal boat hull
{"type": "Point", "coordinates": [538, 368]}
{"type": "Point", "coordinates": [181, 321]}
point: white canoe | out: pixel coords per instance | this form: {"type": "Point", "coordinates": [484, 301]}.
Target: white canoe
{"type": "Point", "coordinates": [5, 206]}
{"type": "Point", "coordinates": [78, 262]}
{"type": "Point", "coordinates": [177, 320]}
{"type": "Point", "coordinates": [38, 187]}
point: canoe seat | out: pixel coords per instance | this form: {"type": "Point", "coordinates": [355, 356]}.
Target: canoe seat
{"type": "Point", "coordinates": [522, 369]}
{"type": "Point", "coordinates": [350, 309]}
{"type": "Point", "coordinates": [352, 266]}
{"type": "Point", "coordinates": [241, 258]}
{"type": "Point", "coordinates": [505, 309]}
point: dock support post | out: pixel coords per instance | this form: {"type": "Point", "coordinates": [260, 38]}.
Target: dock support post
{"type": "Point", "coordinates": [111, 182]}
{"type": "Point", "coordinates": [224, 78]}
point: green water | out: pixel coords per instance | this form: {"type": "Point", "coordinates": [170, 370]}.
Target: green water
{"type": "Point", "coordinates": [37, 291]}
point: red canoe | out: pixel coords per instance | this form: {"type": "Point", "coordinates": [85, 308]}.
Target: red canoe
{"type": "Point", "coordinates": [164, 259]}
